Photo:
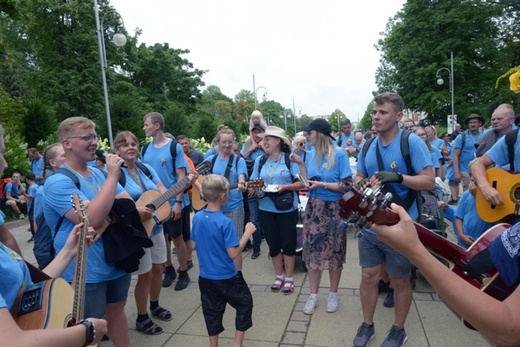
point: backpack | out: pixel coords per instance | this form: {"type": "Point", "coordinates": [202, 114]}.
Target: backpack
{"type": "Point", "coordinates": [2, 186]}
{"type": "Point", "coordinates": [263, 160]}
{"type": "Point", "coordinates": [140, 166]}
{"type": "Point", "coordinates": [44, 251]}
{"type": "Point", "coordinates": [229, 164]}
{"type": "Point", "coordinates": [510, 142]}
{"type": "Point", "coordinates": [173, 152]}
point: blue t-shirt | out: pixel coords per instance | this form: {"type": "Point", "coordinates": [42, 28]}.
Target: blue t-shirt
{"type": "Point", "coordinates": [136, 189]}
{"type": "Point", "coordinates": [499, 153]}
{"type": "Point", "coordinates": [276, 173]}
{"type": "Point", "coordinates": [38, 202]}
{"type": "Point", "coordinates": [14, 189]}
{"type": "Point", "coordinates": [467, 153]}
{"type": "Point", "coordinates": [323, 173]}
{"type": "Point", "coordinates": [31, 191]}
{"type": "Point", "coordinates": [212, 151]}
{"type": "Point", "coordinates": [57, 193]}
{"type": "Point", "coordinates": [472, 224]}
{"type": "Point", "coordinates": [37, 166]}
{"type": "Point", "coordinates": [219, 168]}
{"type": "Point", "coordinates": [13, 272]}
{"type": "Point", "coordinates": [393, 161]}
{"type": "Point", "coordinates": [213, 233]}
{"type": "Point", "coordinates": [161, 160]}
{"type": "Point", "coordinates": [344, 139]}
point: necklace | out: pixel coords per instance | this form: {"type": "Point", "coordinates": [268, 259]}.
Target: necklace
{"type": "Point", "coordinates": [11, 253]}
{"type": "Point", "coordinates": [272, 168]}
{"type": "Point", "coordinates": [85, 178]}
{"type": "Point", "coordinates": [136, 177]}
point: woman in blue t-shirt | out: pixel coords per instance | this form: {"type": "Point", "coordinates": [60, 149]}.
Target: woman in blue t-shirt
{"type": "Point", "coordinates": [139, 178]}
{"type": "Point", "coordinates": [278, 173]}
{"type": "Point", "coordinates": [324, 241]}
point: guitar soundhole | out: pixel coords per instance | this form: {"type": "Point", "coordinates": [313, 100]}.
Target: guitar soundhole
{"type": "Point", "coordinates": [516, 194]}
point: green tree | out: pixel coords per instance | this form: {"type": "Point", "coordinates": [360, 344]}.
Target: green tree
{"type": "Point", "coordinates": [335, 119]}
{"type": "Point", "coordinates": [39, 122]}
{"type": "Point", "coordinates": [417, 43]}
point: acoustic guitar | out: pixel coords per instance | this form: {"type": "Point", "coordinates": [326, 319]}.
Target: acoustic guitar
{"type": "Point", "coordinates": [368, 208]}
{"type": "Point", "coordinates": [53, 303]}
{"type": "Point", "coordinates": [508, 185]}
{"type": "Point", "coordinates": [157, 202]}
{"type": "Point", "coordinates": [198, 202]}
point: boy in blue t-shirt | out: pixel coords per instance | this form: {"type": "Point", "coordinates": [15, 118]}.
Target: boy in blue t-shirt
{"type": "Point", "coordinates": [217, 244]}
{"type": "Point", "coordinates": [32, 187]}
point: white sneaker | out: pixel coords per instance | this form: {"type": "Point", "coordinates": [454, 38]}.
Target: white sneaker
{"type": "Point", "coordinates": [21, 216]}
{"type": "Point", "coordinates": [311, 304]}
{"type": "Point", "coordinates": [332, 302]}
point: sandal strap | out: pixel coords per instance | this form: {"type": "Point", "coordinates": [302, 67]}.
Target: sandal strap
{"type": "Point", "coordinates": [162, 313]}
{"type": "Point", "coordinates": [148, 327]}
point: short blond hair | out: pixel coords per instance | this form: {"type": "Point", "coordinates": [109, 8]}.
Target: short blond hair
{"type": "Point", "coordinates": [72, 123]}
{"type": "Point", "coordinates": [213, 186]}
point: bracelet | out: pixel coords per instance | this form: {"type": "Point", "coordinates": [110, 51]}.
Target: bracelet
{"type": "Point", "coordinates": [326, 185]}
{"type": "Point", "coordinates": [178, 201]}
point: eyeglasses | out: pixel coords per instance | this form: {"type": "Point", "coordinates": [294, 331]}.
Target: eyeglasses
{"type": "Point", "coordinates": [421, 134]}
{"type": "Point", "coordinates": [86, 138]}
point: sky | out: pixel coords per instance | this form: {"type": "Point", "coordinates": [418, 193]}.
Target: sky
{"type": "Point", "coordinates": [319, 53]}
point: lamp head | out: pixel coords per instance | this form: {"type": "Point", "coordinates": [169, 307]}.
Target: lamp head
{"type": "Point", "coordinates": [440, 81]}
{"type": "Point", "coordinates": [119, 40]}
{"type": "Point", "coordinates": [264, 97]}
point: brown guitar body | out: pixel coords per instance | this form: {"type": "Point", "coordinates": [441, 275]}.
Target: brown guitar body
{"type": "Point", "coordinates": [160, 214]}
{"type": "Point", "coordinates": [197, 202]}
{"type": "Point", "coordinates": [57, 298]}
{"type": "Point", "coordinates": [508, 185]}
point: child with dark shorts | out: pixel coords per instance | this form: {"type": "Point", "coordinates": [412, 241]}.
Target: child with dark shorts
{"type": "Point", "coordinates": [217, 244]}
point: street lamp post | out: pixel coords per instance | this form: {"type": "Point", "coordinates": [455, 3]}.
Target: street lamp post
{"type": "Point", "coordinates": [294, 111]}
{"type": "Point", "coordinates": [119, 40]}
{"type": "Point", "coordinates": [255, 90]}
{"type": "Point", "coordinates": [440, 82]}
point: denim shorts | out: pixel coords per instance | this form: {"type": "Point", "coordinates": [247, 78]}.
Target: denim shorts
{"type": "Point", "coordinates": [373, 252]}
{"type": "Point", "coordinates": [97, 295]}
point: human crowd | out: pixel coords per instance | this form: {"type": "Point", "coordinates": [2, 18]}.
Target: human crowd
{"type": "Point", "coordinates": [251, 192]}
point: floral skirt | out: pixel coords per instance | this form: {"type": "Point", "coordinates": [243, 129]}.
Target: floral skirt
{"type": "Point", "coordinates": [324, 241]}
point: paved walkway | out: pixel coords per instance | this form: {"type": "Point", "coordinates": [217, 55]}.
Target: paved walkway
{"type": "Point", "coordinates": [278, 319]}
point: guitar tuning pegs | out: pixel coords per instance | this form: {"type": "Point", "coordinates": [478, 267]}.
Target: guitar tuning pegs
{"type": "Point", "coordinates": [353, 216]}
{"type": "Point", "coordinates": [385, 202]}
{"type": "Point", "coordinates": [368, 195]}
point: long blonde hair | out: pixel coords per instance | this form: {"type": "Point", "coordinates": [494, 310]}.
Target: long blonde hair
{"type": "Point", "coordinates": [324, 146]}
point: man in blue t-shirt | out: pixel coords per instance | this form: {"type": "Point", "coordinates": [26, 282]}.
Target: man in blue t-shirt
{"type": "Point", "coordinates": [385, 151]}
{"type": "Point", "coordinates": [158, 156]}
{"type": "Point", "coordinates": [15, 195]}
{"type": "Point", "coordinates": [36, 164]}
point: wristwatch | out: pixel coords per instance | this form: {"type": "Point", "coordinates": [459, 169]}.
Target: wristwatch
{"type": "Point", "coordinates": [400, 180]}
{"type": "Point", "coordinates": [91, 332]}
{"type": "Point", "coordinates": [178, 201]}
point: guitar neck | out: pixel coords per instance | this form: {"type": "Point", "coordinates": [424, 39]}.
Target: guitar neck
{"type": "Point", "coordinates": [173, 191]}
{"type": "Point", "coordinates": [80, 270]}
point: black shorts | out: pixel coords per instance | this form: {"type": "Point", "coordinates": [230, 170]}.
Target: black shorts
{"type": "Point", "coordinates": [216, 294]}
{"type": "Point", "coordinates": [179, 227]}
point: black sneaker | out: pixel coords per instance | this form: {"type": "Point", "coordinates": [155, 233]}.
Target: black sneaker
{"type": "Point", "coordinates": [389, 299]}
{"type": "Point", "coordinates": [31, 239]}
{"type": "Point", "coordinates": [184, 280]}
{"type": "Point", "coordinates": [256, 253]}
{"type": "Point", "coordinates": [382, 286]}
{"type": "Point", "coordinates": [453, 202]}
{"type": "Point", "coordinates": [189, 264]}
{"type": "Point", "coordinates": [364, 334]}
{"type": "Point", "coordinates": [169, 277]}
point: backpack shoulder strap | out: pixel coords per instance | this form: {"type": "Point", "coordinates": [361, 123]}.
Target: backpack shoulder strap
{"type": "Point", "coordinates": [463, 140]}
{"type": "Point", "coordinates": [122, 178]}
{"type": "Point", "coordinates": [70, 175]}
{"type": "Point", "coordinates": [366, 146]}
{"type": "Point", "coordinates": [143, 150]}
{"type": "Point", "coordinates": [405, 150]}
{"type": "Point", "coordinates": [144, 169]}
{"type": "Point", "coordinates": [173, 150]}
{"type": "Point", "coordinates": [262, 162]}
{"type": "Point", "coordinates": [510, 142]}
{"type": "Point", "coordinates": [213, 162]}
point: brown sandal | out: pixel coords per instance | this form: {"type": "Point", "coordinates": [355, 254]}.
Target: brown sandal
{"type": "Point", "coordinates": [288, 287]}
{"type": "Point", "coordinates": [277, 284]}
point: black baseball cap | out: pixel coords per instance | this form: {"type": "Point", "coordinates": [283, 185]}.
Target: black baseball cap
{"type": "Point", "coordinates": [321, 126]}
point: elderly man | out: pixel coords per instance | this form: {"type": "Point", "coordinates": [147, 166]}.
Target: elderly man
{"type": "Point", "coordinates": [502, 122]}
